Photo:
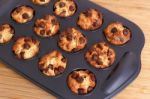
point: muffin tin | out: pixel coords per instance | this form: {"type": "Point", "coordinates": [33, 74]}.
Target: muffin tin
{"type": "Point", "coordinates": [110, 81]}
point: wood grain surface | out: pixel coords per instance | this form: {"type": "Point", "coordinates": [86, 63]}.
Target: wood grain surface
{"type": "Point", "coordinates": [13, 86]}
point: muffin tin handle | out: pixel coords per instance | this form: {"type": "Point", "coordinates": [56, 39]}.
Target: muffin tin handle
{"type": "Point", "coordinates": [123, 71]}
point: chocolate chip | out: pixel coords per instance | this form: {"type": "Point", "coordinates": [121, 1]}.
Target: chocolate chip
{"type": "Point", "coordinates": [82, 40]}
{"type": "Point", "coordinates": [99, 46]}
{"type": "Point", "coordinates": [99, 62]}
{"type": "Point", "coordinates": [125, 32]}
{"type": "Point", "coordinates": [48, 32]}
{"type": "Point", "coordinates": [79, 79]}
{"type": "Point", "coordinates": [27, 39]}
{"type": "Point", "coordinates": [100, 15]}
{"type": "Point", "coordinates": [75, 49]}
{"type": "Point", "coordinates": [93, 49]}
{"type": "Point", "coordinates": [74, 75]}
{"type": "Point", "coordinates": [87, 71]}
{"type": "Point", "coordinates": [25, 16]}
{"type": "Point", "coordinates": [54, 8]}
{"type": "Point", "coordinates": [61, 4]}
{"type": "Point", "coordinates": [105, 44]}
{"type": "Point", "coordinates": [90, 88]}
{"type": "Point", "coordinates": [42, 0]}
{"type": "Point", "coordinates": [46, 69]}
{"type": "Point", "coordinates": [12, 31]}
{"type": "Point", "coordinates": [92, 77]}
{"type": "Point", "coordinates": [95, 57]}
{"type": "Point", "coordinates": [46, 17]}
{"type": "Point", "coordinates": [80, 91]}
{"type": "Point", "coordinates": [42, 32]}
{"type": "Point", "coordinates": [59, 70]}
{"type": "Point", "coordinates": [90, 52]}
{"type": "Point", "coordinates": [41, 25]}
{"type": "Point", "coordinates": [64, 60]}
{"type": "Point", "coordinates": [95, 24]}
{"type": "Point", "coordinates": [18, 9]}
{"type": "Point", "coordinates": [109, 53]}
{"type": "Point", "coordinates": [111, 60]}
{"type": "Point", "coordinates": [26, 46]}
{"type": "Point", "coordinates": [50, 67]}
{"type": "Point", "coordinates": [62, 35]}
{"type": "Point", "coordinates": [87, 13]}
{"type": "Point", "coordinates": [1, 28]}
{"type": "Point", "coordinates": [22, 55]}
{"type": "Point", "coordinates": [69, 37]}
{"type": "Point", "coordinates": [54, 21]}
{"type": "Point", "coordinates": [34, 41]}
{"type": "Point", "coordinates": [114, 30]}
{"type": "Point", "coordinates": [56, 71]}
{"type": "Point", "coordinates": [71, 8]}
{"type": "Point", "coordinates": [41, 67]}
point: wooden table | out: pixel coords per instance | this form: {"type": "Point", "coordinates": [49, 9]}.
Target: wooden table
{"type": "Point", "coordinates": [13, 86]}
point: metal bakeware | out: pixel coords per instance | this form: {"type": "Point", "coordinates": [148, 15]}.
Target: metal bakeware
{"type": "Point", "coordinates": [110, 81]}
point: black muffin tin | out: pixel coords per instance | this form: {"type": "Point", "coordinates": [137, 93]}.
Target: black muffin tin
{"type": "Point", "coordinates": [110, 81]}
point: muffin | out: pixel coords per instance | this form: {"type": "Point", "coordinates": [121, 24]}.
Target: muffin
{"type": "Point", "coordinates": [52, 64]}
{"type": "Point", "coordinates": [81, 81]}
{"type": "Point", "coordinates": [46, 26]}
{"type": "Point", "coordinates": [22, 14]}
{"type": "Point", "coordinates": [6, 33]}
{"type": "Point", "coordinates": [118, 34]}
{"type": "Point", "coordinates": [65, 8]}
{"type": "Point", "coordinates": [100, 55]}
{"type": "Point", "coordinates": [90, 19]}
{"type": "Point", "coordinates": [72, 40]}
{"type": "Point", "coordinates": [41, 2]}
{"type": "Point", "coordinates": [26, 48]}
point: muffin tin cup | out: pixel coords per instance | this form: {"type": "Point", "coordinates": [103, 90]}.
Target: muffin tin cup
{"type": "Point", "coordinates": [64, 16]}
{"type": "Point", "coordinates": [21, 6]}
{"type": "Point", "coordinates": [94, 29]}
{"type": "Point", "coordinates": [78, 69]}
{"type": "Point", "coordinates": [110, 81]}
{"type": "Point", "coordinates": [121, 44]}
{"type": "Point", "coordinates": [71, 52]}
{"type": "Point", "coordinates": [1, 44]}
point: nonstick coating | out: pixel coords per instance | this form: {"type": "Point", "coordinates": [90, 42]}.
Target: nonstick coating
{"type": "Point", "coordinates": [106, 83]}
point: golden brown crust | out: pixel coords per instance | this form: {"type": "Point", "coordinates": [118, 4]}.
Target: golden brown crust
{"type": "Point", "coordinates": [65, 8]}
{"type": "Point", "coordinates": [6, 33]}
{"type": "Point", "coordinates": [81, 82]}
{"type": "Point", "coordinates": [90, 19]}
{"type": "Point", "coordinates": [22, 14]}
{"type": "Point", "coordinates": [53, 64]}
{"type": "Point", "coordinates": [41, 2]}
{"type": "Point", "coordinates": [26, 47]}
{"type": "Point", "coordinates": [117, 34]}
{"type": "Point", "coordinates": [100, 55]}
{"type": "Point", "coordinates": [46, 26]}
{"type": "Point", "coordinates": [72, 40]}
